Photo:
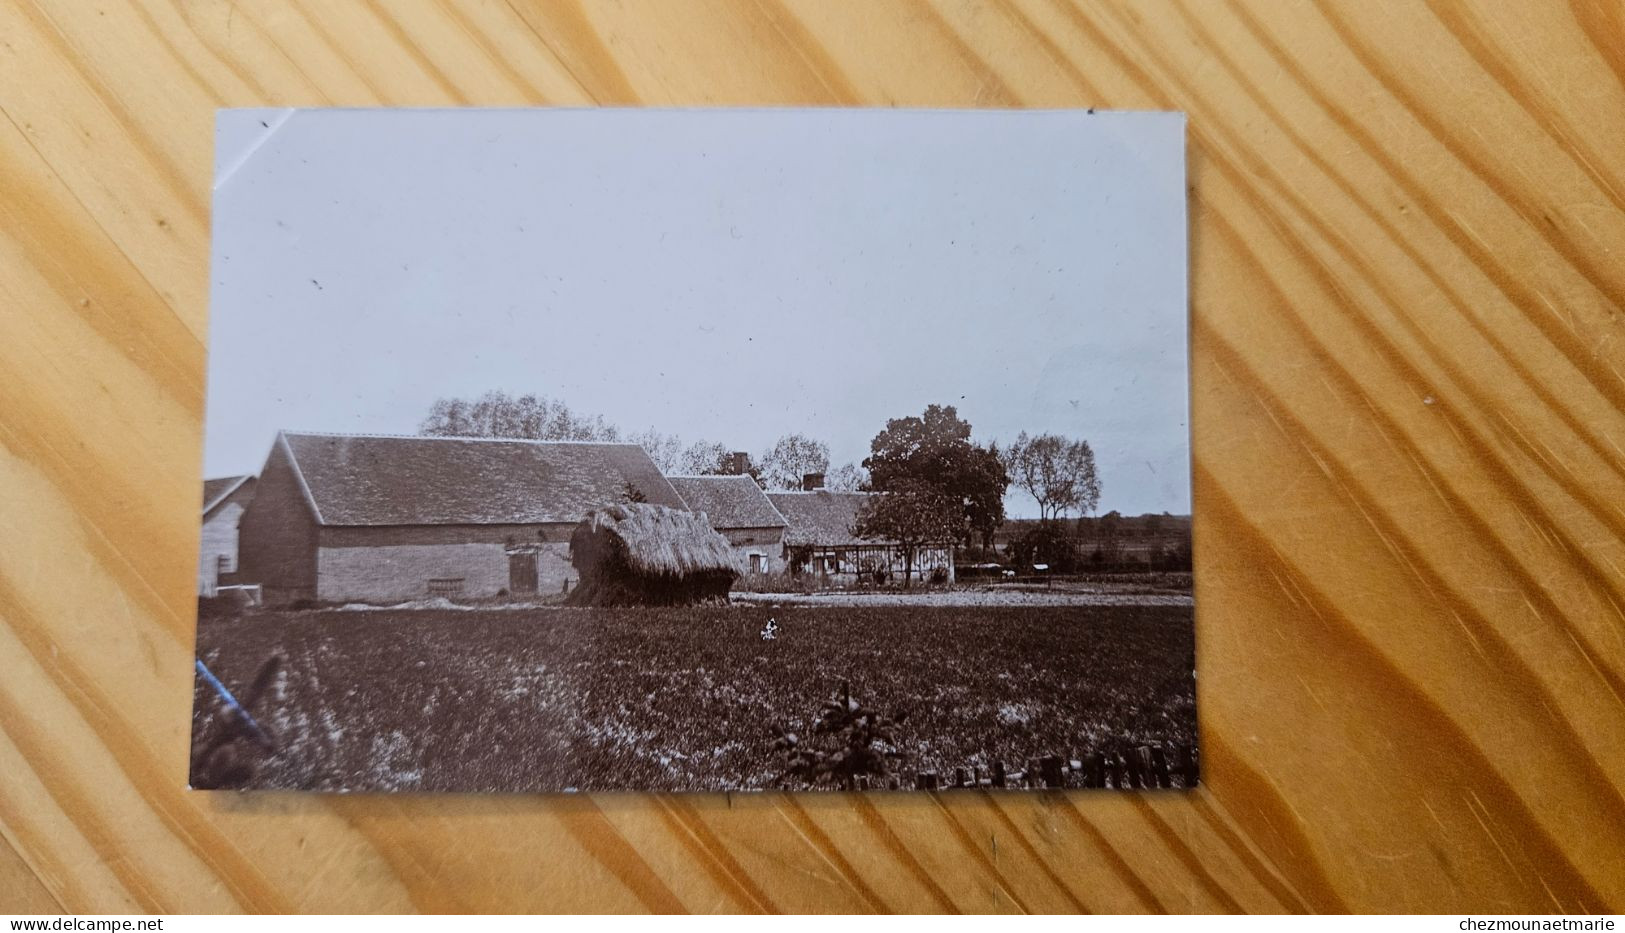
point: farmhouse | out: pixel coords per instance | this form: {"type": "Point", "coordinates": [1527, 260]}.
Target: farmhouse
{"type": "Point", "coordinates": [818, 538]}
{"type": "Point", "coordinates": [739, 511]}
{"type": "Point", "coordinates": [224, 500]}
{"type": "Point", "coordinates": [383, 518]}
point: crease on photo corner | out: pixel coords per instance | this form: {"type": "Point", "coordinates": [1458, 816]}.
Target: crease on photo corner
{"type": "Point", "coordinates": [271, 125]}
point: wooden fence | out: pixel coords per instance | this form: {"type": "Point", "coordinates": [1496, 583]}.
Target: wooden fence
{"type": "Point", "coordinates": [1147, 767]}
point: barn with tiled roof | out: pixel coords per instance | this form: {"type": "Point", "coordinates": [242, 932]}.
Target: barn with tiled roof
{"type": "Point", "coordinates": [738, 509]}
{"type": "Point", "coordinates": [339, 517]}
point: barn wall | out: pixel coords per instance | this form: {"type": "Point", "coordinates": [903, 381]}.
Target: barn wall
{"type": "Point", "coordinates": [394, 572]}
{"type": "Point", "coordinates": [375, 535]}
{"type": "Point", "coordinates": [554, 573]}
{"type": "Point", "coordinates": [219, 540]}
{"type": "Point", "coordinates": [403, 571]}
{"type": "Point", "coordinates": [276, 535]}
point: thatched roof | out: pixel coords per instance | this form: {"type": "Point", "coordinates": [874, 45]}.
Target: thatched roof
{"type": "Point", "coordinates": [661, 541]}
{"type": "Point", "coordinates": [729, 501]}
{"type": "Point", "coordinates": [650, 555]}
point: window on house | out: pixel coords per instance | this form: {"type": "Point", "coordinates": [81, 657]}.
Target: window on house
{"type": "Point", "coordinates": [756, 563]}
{"type": "Point", "coordinates": [222, 563]}
{"type": "Point", "coordinates": [446, 587]}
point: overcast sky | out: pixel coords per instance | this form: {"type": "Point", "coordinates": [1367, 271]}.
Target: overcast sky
{"type": "Point", "coordinates": [727, 275]}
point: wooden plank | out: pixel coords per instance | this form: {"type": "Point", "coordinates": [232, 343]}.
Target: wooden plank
{"type": "Point", "coordinates": [24, 892]}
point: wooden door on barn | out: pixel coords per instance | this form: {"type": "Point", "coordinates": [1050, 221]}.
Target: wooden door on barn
{"type": "Point", "coordinates": [522, 573]}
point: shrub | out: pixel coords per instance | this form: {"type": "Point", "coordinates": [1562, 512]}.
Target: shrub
{"type": "Point", "coordinates": [851, 740]}
{"type": "Point", "coordinates": [1176, 559]}
{"type": "Point", "coordinates": [978, 555]}
{"type": "Point", "coordinates": [1046, 543]}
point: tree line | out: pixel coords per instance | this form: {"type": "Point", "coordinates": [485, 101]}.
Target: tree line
{"type": "Point", "coordinates": [536, 417]}
{"type": "Point", "coordinates": [943, 485]}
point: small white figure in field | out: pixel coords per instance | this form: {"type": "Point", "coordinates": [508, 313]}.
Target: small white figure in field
{"type": "Point", "coordinates": [770, 631]}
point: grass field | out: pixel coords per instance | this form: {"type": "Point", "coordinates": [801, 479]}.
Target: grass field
{"type": "Point", "coordinates": [549, 699]}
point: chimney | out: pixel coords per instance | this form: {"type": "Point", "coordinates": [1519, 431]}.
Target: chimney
{"type": "Point", "coordinates": [738, 463]}
{"type": "Point", "coordinates": [811, 481]}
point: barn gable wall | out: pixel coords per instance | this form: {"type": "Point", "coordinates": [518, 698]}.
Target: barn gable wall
{"type": "Point", "coordinates": [277, 535]}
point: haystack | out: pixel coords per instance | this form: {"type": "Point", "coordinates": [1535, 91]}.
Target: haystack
{"type": "Point", "coordinates": [650, 555]}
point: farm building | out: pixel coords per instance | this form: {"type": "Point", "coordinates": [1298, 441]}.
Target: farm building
{"type": "Point", "coordinates": [224, 500]}
{"type": "Point", "coordinates": [381, 518]}
{"type": "Point", "coordinates": [818, 538]}
{"type": "Point", "coordinates": [739, 511]}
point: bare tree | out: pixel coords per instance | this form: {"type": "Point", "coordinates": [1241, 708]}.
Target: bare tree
{"type": "Point", "coordinates": [498, 414]}
{"type": "Point", "coordinates": [846, 478]}
{"type": "Point", "coordinates": [666, 450]}
{"type": "Point", "coordinates": [703, 458]}
{"type": "Point", "coordinates": [792, 457]}
{"type": "Point", "coordinates": [1056, 471]}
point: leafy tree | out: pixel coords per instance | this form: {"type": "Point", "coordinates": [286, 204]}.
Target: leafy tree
{"type": "Point", "coordinates": [1056, 471]}
{"type": "Point", "coordinates": [935, 449]}
{"type": "Point", "coordinates": [498, 414]}
{"type": "Point", "coordinates": [913, 513]}
{"type": "Point", "coordinates": [792, 457]}
{"type": "Point", "coordinates": [846, 478]}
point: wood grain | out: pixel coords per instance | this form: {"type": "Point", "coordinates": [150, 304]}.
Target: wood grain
{"type": "Point", "coordinates": [1409, 442]}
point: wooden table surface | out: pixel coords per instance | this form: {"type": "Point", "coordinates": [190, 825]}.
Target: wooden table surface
{"type": "Point", "coordinates": [1410, 458]}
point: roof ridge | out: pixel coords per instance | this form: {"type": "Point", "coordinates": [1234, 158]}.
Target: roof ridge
{"type": "Point", "coordinates": [452, 437]}
{"type": "Point", "coordinates": [236, 484]}
{"type": "Point", "coordinates": [299, 474]}
{"type": "Point", "coordinates": [491, 483]}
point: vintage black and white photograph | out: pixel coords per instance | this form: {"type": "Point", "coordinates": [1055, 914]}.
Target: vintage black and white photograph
{"type": "Point", "coordinates": [714, 450]}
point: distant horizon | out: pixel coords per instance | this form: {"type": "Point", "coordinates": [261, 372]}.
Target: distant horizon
{"type": "Point", "coordinates": [750, 274]}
